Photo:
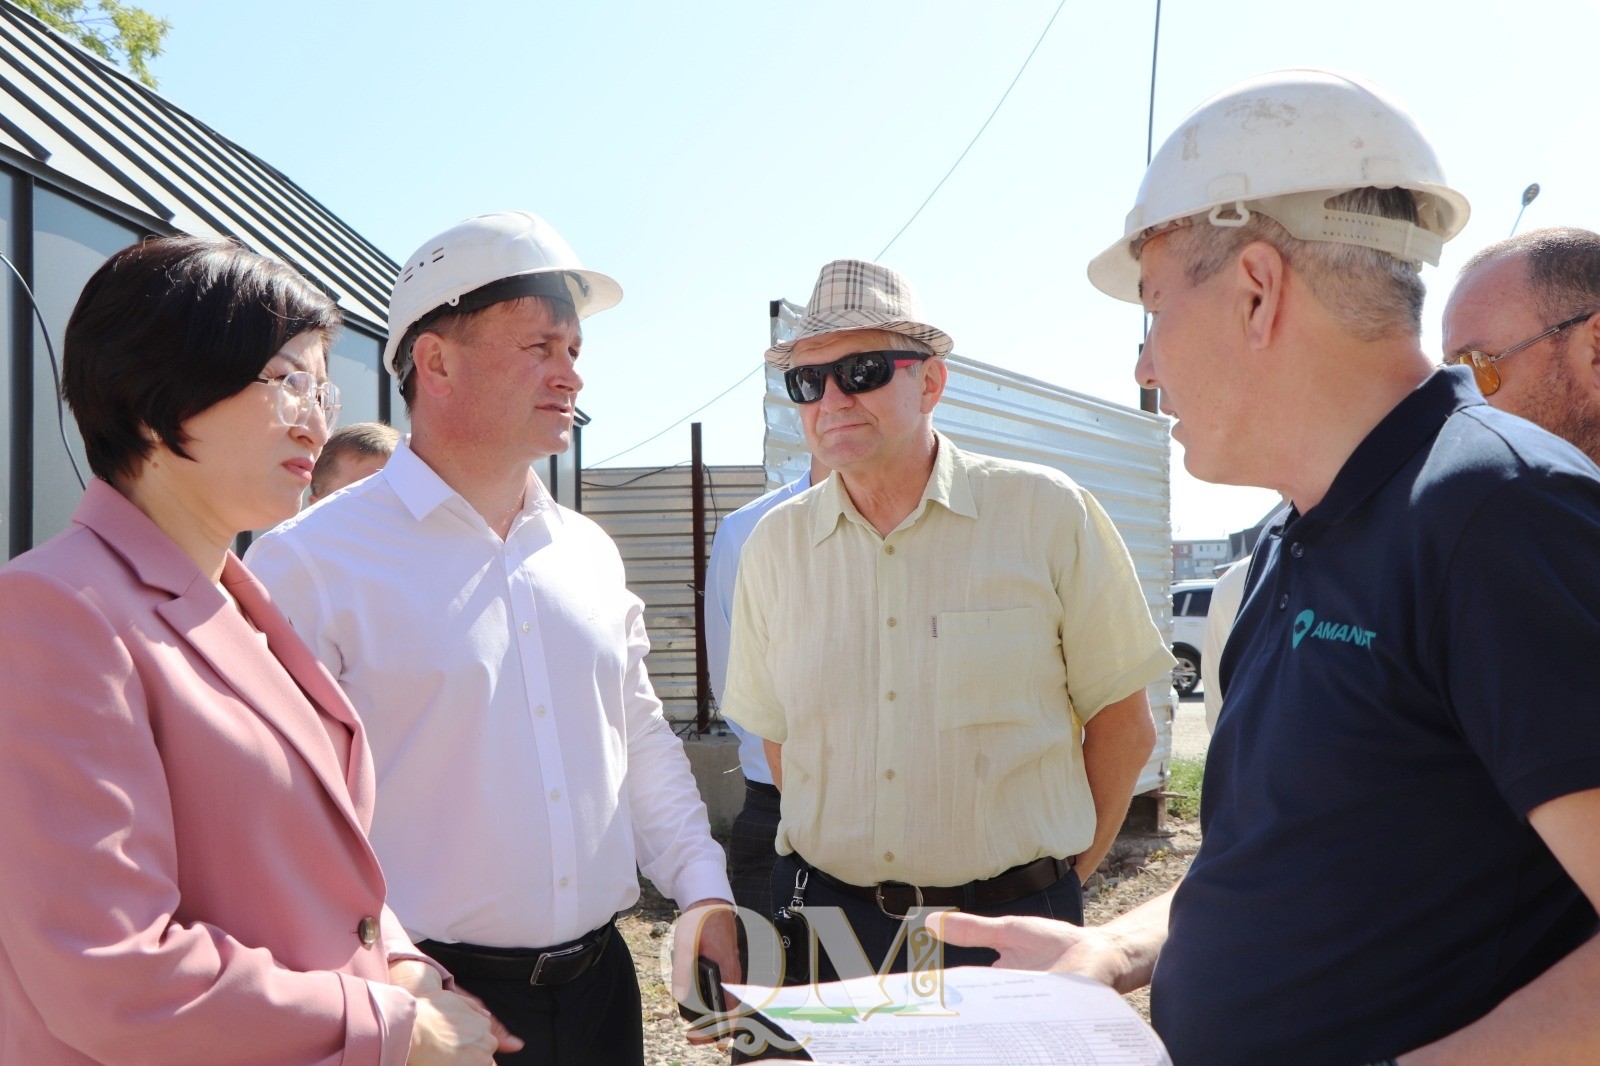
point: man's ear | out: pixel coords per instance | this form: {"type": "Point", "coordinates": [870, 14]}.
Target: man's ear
{"type": "Point", "coordinates": [1583, 348]}
{"type": "Point", "coordinates": [432, 365]}
{"type": "Point", "coordinates": [1261, 275]}
{"type": "Point", "coordinates": [934, 376]}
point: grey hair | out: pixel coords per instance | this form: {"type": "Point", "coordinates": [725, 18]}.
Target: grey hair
{"type": "Point", "coordinates": [1561, 265]}
{"type": "Point", "coordinates": [899, 342]}
{"type": "Point", "coordinates": [1370, 293]}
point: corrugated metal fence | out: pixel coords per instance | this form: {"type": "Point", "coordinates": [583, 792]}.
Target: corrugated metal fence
{"type": "Point", "coordinates": [648, 512]}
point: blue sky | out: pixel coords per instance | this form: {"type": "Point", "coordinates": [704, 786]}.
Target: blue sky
{"type": "Point", "coordinates": [711, 156]}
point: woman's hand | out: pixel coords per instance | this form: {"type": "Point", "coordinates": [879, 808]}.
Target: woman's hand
{"type": "Point", "coordinates": [456, 1030]}
{"type": "Point", "coordinates": [415, 976]}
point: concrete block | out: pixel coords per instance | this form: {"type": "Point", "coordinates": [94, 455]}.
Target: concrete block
{"type": "Point", "coordinates": [715, 762]}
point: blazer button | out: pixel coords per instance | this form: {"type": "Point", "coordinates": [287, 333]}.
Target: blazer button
{"type": "Point", "coordinates": [368, 931]}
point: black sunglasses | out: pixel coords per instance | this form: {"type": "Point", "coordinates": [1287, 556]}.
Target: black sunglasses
{"type": "Point", "coordinates": [861, 372]}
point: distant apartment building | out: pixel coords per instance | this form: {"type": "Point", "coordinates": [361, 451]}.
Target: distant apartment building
{"type": "Point", "coordinates": [1199, 558]}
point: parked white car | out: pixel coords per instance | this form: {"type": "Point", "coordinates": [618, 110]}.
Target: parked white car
{"type": "Point", "coordinates": [1191, 602]}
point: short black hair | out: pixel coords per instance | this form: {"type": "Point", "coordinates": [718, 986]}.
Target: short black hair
{"type": "Point", "coordinates": [170, 326]}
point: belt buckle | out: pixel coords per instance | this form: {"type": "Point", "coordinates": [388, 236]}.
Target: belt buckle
{"type": "Point", "coordinates": [546, 956]}
{"type": "Point", "coordinates": [877, 894]}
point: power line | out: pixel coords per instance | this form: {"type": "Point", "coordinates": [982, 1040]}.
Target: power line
{"type": "Point", "coordinates": [886, 247]}
{"type": "Point", "coordinates": [975, 136]}
{"type": "Point", "coordinates": [1155, 51]}
{"type": "Point", "coordinates": [682, 420]}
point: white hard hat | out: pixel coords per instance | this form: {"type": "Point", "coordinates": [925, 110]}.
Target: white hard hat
{"type": "Point", "coordinates": [1284, 143]}
{"type": "Point", "coordinates": [485, 260]}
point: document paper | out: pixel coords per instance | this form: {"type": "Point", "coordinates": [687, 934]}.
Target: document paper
{"type": "Point", "coordinates": [974, 1015]}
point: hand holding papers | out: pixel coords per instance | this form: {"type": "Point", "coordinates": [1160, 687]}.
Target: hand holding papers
{"type": "Point", "coordinates": [972, 1015]}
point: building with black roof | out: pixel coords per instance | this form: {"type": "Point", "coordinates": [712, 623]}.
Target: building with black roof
{"type": "Point", "coordinates": [90, 161]}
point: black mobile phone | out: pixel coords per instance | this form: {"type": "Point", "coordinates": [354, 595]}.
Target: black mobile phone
{"type": "Point", "coordinates": [708, 981]}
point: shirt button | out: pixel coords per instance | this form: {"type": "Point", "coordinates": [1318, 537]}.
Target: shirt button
{"type": "Point", "coordinates": [527, 627]}
{"type": "Point", "coordinates": [1297, 549]}
{"type": "Point", "coordinates": [1283, 601]}
{"type": "Point", "coordinates": [889, 695]}
{"type": "Point", "coordinates": [888, 775]}
{"type": "Point", "coordinates": [563, 882]}
{"type": "Point", "coordinates": [888, 856]}
{"type": "Point", "coordinates": [892, 623]}
{"type": "Point", "coordinates": [538, 712]}
{"type": "Point", "coordinates": [888, 549]}
{"type": "Point", "coordinates": [367, 931]}
{"type": "Point", "coordinates": [555, 793]}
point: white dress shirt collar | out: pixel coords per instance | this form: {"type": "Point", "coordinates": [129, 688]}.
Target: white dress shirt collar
{"type": "Point", "coordinates": [422, 491]}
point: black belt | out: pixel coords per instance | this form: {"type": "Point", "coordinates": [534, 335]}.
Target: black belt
{"type": "Point", "coordinates": [537, 966]}
{"type": "Point", "coordinates": [896, 898]}
{"type": "Point", "coordinates": [761, 787]}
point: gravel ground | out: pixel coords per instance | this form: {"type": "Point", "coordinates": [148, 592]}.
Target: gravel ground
{"type": "Point", "coordinates": [1139, 868]}
{"type": "Point", "coordinates": [1190, 737]}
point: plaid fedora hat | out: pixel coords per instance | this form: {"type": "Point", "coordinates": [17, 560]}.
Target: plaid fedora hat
{"type": "Point", "coordinates": [854, 294]}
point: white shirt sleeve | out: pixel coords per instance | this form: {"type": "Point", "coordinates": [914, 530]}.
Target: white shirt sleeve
{"type": "Point", "coordinates": [296, 588]}
{"type": "Point", "coordinates": [720, 574]}
{"type": "Point", "coordinates": [671, 833]}
{"type": "Point", "coordinates": [1226, 597]}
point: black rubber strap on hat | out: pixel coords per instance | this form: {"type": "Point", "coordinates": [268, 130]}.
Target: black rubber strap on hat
{"type": "Point", "coordinates": [551, 284]}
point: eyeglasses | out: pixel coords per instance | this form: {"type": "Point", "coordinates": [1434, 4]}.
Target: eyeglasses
{"type": "Point", "coordinates": [300, 393]}
{"type": "Point", "coordinates": [1483, 364]}
{"type": "Point", "coordinates": [861, 372]}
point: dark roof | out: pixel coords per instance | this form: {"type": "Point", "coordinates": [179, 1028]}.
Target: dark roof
{"type": "Point", "coordinates": [79, 117]}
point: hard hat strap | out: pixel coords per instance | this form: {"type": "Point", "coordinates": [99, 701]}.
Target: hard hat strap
{"type": "Point", "coordinates": [1305, 216]}
{"type": "Point", "coordinates": [551, 284]}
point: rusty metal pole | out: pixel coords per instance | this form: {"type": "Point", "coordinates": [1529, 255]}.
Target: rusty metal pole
{"type": "Point", "coordinates": [702, 670]}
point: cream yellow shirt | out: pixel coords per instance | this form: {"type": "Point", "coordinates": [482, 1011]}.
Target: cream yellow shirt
{"type": "Point", "coordinates": [928, 686]}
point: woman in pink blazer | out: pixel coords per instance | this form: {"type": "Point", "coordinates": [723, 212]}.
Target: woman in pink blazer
{"type": "Point", "coordinates": [184, 791]}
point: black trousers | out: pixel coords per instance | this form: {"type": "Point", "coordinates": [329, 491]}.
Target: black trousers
{"type": "Point", "coordinates": [596, 1020]}
{"type": "Point", "coordinates": [876, 932]}
{"type": "Point", "coordinates": [751, 848]}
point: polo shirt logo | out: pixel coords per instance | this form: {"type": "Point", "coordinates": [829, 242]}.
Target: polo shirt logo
{"type": "Point", "coordinates": [1338, 631]}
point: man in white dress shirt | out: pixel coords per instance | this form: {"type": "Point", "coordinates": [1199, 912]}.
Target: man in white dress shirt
{"type": "Point", "coordinates": [487, 637]}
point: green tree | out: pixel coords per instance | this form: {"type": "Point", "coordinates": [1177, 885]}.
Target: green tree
{"type": "Point", "coordinates": [112, 30]}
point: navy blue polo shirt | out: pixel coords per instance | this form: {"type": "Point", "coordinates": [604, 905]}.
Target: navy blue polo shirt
{"type": "Point", "coordinates": [1411, 673]}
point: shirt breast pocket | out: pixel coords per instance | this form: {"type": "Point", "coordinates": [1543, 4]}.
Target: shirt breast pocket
{"type": "Point", "coordinates": [987, 662]}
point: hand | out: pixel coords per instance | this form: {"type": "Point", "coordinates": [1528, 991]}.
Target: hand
{"type": "Point", "coordinates": [456, 1030]}
{"type": "Point", "coordinates": [707, 928]}
{"type": "Point", "coordinates": [415, 976]}
{"type": "Point", "coordinates": [1037, 944]}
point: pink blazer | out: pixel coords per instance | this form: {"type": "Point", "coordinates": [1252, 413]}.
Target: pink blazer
{"type": "Point", "coordinates": [184, 871]}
